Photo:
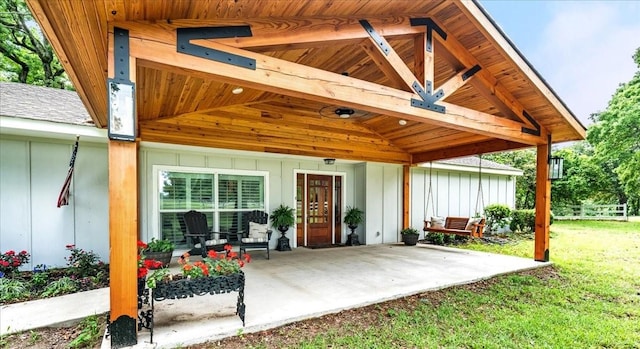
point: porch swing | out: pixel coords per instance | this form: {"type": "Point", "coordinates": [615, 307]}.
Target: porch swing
{"type": "Point", "coordinates": [464, 226]}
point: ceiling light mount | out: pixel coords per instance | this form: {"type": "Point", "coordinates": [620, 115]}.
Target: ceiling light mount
{"type": "Point", "coordinates": [237, 90]}
{"type": "Point", "coordinates": [344, 113]}
{"type": "Point", "coordinates": [329, 161]}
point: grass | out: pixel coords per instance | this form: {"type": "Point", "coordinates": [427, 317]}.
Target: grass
{"type": "Point", "coordinates": [591, 301]}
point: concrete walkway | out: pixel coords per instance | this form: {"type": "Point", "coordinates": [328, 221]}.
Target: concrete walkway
{"type": "Point", "coordinates": [292, 286]}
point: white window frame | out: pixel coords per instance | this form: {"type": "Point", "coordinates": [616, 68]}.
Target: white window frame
{"type": "Point", "coordinates": [216, 172]}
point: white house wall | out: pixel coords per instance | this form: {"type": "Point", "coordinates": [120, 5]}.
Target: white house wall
{"type": "Point", "coordinates": [456, 193]}
{"type": "Point", "coordinates": [32, 174]}
{"type": "Point", "coordinates": [33, 171]}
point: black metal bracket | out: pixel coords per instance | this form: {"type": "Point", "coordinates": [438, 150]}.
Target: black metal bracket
{"type": "Point", "coordinates": [431, 26]}
{"type": "Point", "coordinates": [471, 72]}
{"type": "Point", "coordinates": [121, 54]}
{"type": "Point", "coordinates": [531, 131]}
{"type": "Point", "coordinates": [184, 45]}
{"type": "Point", "coordinates": [428, 100]}
{"type": "Point", "coordinates": [375, 36]}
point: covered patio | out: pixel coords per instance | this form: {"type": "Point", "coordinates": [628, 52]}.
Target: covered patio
{"type": "Point", "coordinates": [393, 82]}
{"type": "Point", "coordinates": [291, 286]}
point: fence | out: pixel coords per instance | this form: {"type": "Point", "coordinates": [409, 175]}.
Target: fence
{"type": "Point", "coordinates": [592, 212]}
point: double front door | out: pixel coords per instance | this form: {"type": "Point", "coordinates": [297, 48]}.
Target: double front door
{"type": "Point", "coordinates": [319, 202]}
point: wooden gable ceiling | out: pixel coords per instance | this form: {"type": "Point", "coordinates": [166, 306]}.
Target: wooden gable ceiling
{"type": "Point", "coordinates": [313, 57]}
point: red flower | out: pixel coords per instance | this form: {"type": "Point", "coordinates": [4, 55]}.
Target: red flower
{"type": "Point", "coordinates": [241, 263]}
{"type": "Point", "coordinates": [142, 272]}
{"type": "Point", "coordinates": [227, 247]}
{"type": "Point", "coordinates": [70, 247]}
{"type": "Point", "coordinates": [247, 257]}
{"type": "Point", "coordinates": [4, 263]}
{"type": "Point", "coordinates": [212, 254]}
{"type": "Point", "coordinates": [23, 252]}
{"type": "Point", "coordinates": [141, 245]}
{"type": "Point", "coordinates": [11, 252]}
{"type": "Point", "coordinates": [231, 255]}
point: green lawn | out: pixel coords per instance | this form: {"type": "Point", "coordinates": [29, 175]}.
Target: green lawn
{"type": "Point", "coordinates": [591, 299]}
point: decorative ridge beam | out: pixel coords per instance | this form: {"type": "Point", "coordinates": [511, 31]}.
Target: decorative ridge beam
{"type": "Point", "coordinates": [283, 77]}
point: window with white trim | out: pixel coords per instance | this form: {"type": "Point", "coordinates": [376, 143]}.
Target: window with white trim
{"type": "Point", "coordinates": [223, 196]}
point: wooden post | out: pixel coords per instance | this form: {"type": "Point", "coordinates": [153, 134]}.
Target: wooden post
{"type": "Point", "coordinates": [406, 193]}
{"type": "Point", "coordinates": [123, 235]}
{"type": "Point", "coordinates": [543, 204]}
{"type": "Point", "coordinates": [123, 217]}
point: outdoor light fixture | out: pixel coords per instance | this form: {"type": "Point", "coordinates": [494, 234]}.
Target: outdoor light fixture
{"type": "Point", "coordinates": [122, 110]}
{"type": "Point", "coordinates": [344, 113]}
{"type": "Point", "coordinates": [402, 122]}
{"type": "Point", "coordinates": [238, 90]}
{"type": "Point", "coordinates": [555, 167]}
{"type": "Point", "coordinates": [329, 161]}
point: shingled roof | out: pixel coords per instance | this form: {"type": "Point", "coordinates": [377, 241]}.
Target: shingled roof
{"type": "Point", "coordinates": [42, 103]}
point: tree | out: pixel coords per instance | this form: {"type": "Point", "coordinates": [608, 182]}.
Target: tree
{"type": "Point", "coordinates": [25, 54]}
{"type": "Point", "coordinates": [615, 137]}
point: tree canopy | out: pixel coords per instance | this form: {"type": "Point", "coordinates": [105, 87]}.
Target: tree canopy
{"type": "Point", "coordinates": [25, 54]}
{"type": "Point", "coordinates": [615, 137]}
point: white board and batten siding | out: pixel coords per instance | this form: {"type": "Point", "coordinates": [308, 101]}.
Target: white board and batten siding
{"type": "Point", "coordinates": [32, 174]}
{"type": "Point", "coordinates": [455, 192]}
{"type": "Point", "coordinates": [34, 169]}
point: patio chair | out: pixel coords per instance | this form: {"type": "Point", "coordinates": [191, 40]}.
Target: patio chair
{"type": "Point", "coordinates": [257, 233]}
{"type": "Point", "coordinates": [198, 230]}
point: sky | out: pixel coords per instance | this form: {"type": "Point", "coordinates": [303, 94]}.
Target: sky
{"type": "Point", "coordinates": [583, 48]}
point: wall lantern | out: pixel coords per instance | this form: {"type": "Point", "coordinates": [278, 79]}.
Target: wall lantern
{"type": "Point", "coordinates": [329, 161]}
{"type": "Point", "coordinates": [122, 112]}
{"type": "Point", "coordinates": [555, 167]}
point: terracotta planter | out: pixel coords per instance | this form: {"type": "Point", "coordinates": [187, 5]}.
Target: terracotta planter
{"type": "Point", "coordinates": [410, 239]}
{"type": "Point", "coordinates": [162, 257]}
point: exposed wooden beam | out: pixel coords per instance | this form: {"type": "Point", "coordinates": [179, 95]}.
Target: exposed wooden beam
{"type": "Point", "coordinates": [468, 149]}
{"type": "Point", "coordinates": [488, 80]}
{"type": "Point", "coordinates": [475, 14]}
{"type": "Point", "coordinates": [283, 77]}
{"type": "Point", "coordinates": [386, 58]}
{"type": "Point", "coordinates": [169, 133]}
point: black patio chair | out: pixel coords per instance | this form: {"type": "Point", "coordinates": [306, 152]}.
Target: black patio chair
{"type": "Point", "coordinates": [257, 235]}
{"type": "Point", "coordinates": [198, 230]}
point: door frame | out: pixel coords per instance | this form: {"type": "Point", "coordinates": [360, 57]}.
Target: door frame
{"type": "Point", "coordinates": [343, 175]}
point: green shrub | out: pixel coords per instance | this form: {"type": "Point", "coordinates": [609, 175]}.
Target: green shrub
{"type": "Point", "coordinates": [525, 220]}
{"type": "Point", "coordinates": [13, 289]}
{"type": "Point", "coordinates": [83, 263]}
{"type": "Point", "coordinates": [498, 216]}
{"type": "Point", "coordinates": [59, 287]}
{"type": "Point", "coordinates": [435, 238]}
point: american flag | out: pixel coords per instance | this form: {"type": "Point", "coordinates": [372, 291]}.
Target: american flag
{"type": "Point", "coordinates": [63, 198]}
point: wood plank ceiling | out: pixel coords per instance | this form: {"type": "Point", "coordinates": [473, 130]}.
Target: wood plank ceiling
{"type": "Point", "coordinates": [312, 58]}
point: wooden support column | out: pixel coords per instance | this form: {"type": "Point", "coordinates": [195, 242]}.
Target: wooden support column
{"type": "Point", "coordinates": [123, 235]}
{"type": "Point", "coordinates": [406, 196]}
{"type": "Point", "coordinates": [123, 208]}
{"type": "Point", "coordinates": [543, 204]}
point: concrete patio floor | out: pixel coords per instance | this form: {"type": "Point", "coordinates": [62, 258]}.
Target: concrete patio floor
{"type": "Point", "coordinates": [293, 286]}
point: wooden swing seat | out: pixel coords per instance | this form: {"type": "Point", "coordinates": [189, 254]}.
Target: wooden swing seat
{"type": "Point", "coordinates": [457, 226]}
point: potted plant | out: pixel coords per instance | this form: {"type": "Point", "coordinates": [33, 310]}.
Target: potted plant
{"type": "Point", "coordinates": [159, 250]}
{"type": "Point", "coordinates": [353, 217]}
{"type": "Point", "coordinates": [410, 236]}
{"type": "Point", "coordinates": [282, 218]}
